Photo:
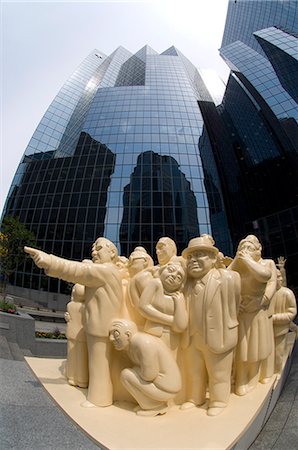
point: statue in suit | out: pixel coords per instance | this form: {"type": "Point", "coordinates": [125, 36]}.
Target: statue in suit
{"type": "Point", "coordinates": [213, 297]}
{"type": "Point", "coordinates": [103, 302]}
{"type": "Point", "coordinates": [284, 310]}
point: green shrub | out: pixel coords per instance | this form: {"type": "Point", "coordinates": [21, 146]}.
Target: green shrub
{"type": "Point", "coordinates": [8, 307]}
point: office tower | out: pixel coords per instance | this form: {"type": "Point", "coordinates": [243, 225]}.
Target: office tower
{"type": "Point", "coordinates": [116, 154]}
{"type": "Point", "coordinates": [256, 147]}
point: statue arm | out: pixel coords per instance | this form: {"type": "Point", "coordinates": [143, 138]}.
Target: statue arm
{"type": "Point", "coordinates": [271, 284]}
{"type": "Point", "coordinates": [259, 271]}
{"type": "Point", "coordinates": [71, 271]}
{"type": "Point", "coordinates": [147, 309]}
{"type": "Point", "coordinates": [180, 314]}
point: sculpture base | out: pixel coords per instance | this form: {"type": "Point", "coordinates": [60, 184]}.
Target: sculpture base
{"type": "Point", "coordinates": [118, 427]}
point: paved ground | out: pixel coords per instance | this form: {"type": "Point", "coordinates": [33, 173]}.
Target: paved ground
{"type": "Point", "coordinates": [29, 419]}
{"type": "Point", "coordinates": [281, 430]}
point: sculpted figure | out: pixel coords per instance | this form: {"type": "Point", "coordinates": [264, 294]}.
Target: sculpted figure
{"type": "Point", "coordinates": [77, 354]}
{"type": "Point", "coordinates": [165, 250]}
{"type": "Point", "coordinates": [281, 262]}
{"type": "Point", "coordinates": [139, 268]}
{"type": "Point", "coordinates": [222, 261]}
{"type": "Point", "coordinates": [163, 304]}
{"type": "Point", "coordinates": [284, 310]}
{"type": "Point", "coordinates": [258, 284]}
{"type": "Point", "coordinates": [103, 301]}
{"type": "Point", "coordinates": [213, 297]}
{"type": "Point", "coordinates": [155, 378]}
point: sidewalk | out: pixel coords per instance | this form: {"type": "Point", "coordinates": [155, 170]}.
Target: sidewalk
{"type": "Point", "coordinates": [29, 419]}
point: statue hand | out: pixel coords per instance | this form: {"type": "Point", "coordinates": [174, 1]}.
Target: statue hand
{"type": "Point", "coordinates": [281, 261]}
{"type": "Point", "coordinates": [177, 296]}
{"type": "Point", "coordinates": [67, 317]}
{"type": "Point", "coordinates": [41, 259]}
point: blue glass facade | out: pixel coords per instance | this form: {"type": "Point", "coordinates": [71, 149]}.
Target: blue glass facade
{"type": "Point", "coordinates": [117, 154]}
{"type": "Point", "coordinates": [257, 151]}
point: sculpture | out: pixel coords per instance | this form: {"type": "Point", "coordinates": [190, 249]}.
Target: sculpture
{"type": "Point", "coordinates": [213, 298]}
{"type": "Point", "coordinates": [182, 323]}
{"type": "Point", "coordinates": [139, 264]}
{"type": "Point", "coordinates": [284, 310]}
{"type": "Point", "coordinates": [281, 263]}
{"type": "Point", "coordinates": [77, 354]}
{"type": "Point", "coordinates": [155, 378]}
{"type": "Point", "coordinates": [165, 250]}
{"type": "Point", "coordinates": [163, 304]}
{"type": "Point", "coordinates": [103, 301]}
{"type": "Point", "coordinates": [258, 284]}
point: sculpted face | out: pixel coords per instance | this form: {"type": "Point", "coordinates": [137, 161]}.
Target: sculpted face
{"type": "Point", "coordinates": [119, 337]}
{"type": "Point", "coordinates": [136, 265]}
{"type": "Point", "coordinates": [200, 262]}
{"type": "Point", "coordinates": [164, 251]}
{"type": "Point", "coordinates": [251, 250]}
{"type": "Point", "coordinates": [172, 277]}
{"type": "Point", "coordinates": [101, 252]}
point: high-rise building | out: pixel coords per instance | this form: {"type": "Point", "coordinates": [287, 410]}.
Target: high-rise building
{"type": "Point", "coordinates": [255, 140]}
{"type": "Point", "coordinates": [117, 154]}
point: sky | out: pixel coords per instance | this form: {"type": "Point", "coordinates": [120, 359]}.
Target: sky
{"type": "Point", "coordinates": [43, 42]}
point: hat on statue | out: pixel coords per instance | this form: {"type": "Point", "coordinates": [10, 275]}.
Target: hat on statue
{"type": "Point", "coordinates": [203, 242]}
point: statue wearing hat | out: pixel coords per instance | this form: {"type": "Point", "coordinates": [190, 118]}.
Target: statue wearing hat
{"type": "Point", "coordinates": [213, 297]}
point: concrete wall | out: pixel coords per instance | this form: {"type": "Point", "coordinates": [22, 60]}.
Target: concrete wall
{"type": "Point", "coordinates": [48, 300]}
{"type": "Point", "coordinates": [20, 328]}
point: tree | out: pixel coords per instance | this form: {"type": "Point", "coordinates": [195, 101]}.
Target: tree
{"type": "Point", "coordinates": [13, 237]}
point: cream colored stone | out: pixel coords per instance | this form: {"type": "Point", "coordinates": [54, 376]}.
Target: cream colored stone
{"type": "Point", "coordinates": [284, 310]}
{"type": "Point", "coordinates": [117, 427]}
{"type": "Point", "coordinates": [77, 354]}
{"type": "Point", "coordinates": [213, 297]}
{"type": "Point", "coordinates": [155, 377]}
{"type": "Point", "coordinates": [103, 302]}
{"type": "Point", "coordinates": [258, 284]}
{"type": "Point", "coordinates": [180, 320]}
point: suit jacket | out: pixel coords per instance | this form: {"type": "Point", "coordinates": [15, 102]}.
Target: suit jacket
{"type": "Point", "coordinates": [103, 291]}
{"type": "Point", "coordinates": [221, 299]}
{"type": "Point", "coordinates": [284, 310]}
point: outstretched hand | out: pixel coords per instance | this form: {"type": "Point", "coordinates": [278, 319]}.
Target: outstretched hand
{"type": "Point", "coordinates": [41, 259]}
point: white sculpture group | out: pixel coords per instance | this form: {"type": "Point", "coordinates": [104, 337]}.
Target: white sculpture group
{"type": "Point", "coordinates": [189, 326]}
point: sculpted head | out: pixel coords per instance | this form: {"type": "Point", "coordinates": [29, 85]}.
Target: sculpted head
{"type": "Point", "coordinates": [173, 275]}
{"type": "Point", "coordinates": [200, 255]}
{"type": "Point", "coordinates": [251, 246]}
{"type": "Point", "coordinates": [78, 293]}
{"type": "Point", "coordinates": [121, 332]}
{"type": "Point", "coordinates": [165, 250]}
{"type": "Point", "coordinates": [138, 261]}
{"type": "Point", "coordinates": [104, 251]}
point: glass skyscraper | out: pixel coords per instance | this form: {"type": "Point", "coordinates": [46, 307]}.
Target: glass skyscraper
{"type": "Point", "coordinates": [256, 150]}
{"type": "Point", "coordinates": [117, 155]}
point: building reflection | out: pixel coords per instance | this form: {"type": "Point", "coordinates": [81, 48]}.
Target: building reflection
{"type": "Point", "coordinates": [157, 202]}
{"type": "Point", "coordinates": [64, 202]}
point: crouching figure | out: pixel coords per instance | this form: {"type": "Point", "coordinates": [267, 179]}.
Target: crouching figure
{"type": "Point", "coordinates": [155, 378]}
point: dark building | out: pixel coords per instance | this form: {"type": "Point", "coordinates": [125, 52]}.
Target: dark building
{"type": "Point", "coordinates": [255, 138]}
{"type": "Point", "coordinates": [116, 154]}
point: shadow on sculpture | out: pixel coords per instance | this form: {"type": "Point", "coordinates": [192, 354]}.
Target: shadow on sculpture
{"type": "Point", "coordinates": [180, 332]}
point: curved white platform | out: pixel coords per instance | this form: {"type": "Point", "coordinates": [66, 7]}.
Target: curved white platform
{"type": "Point", "coordinates": [118, 427]}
